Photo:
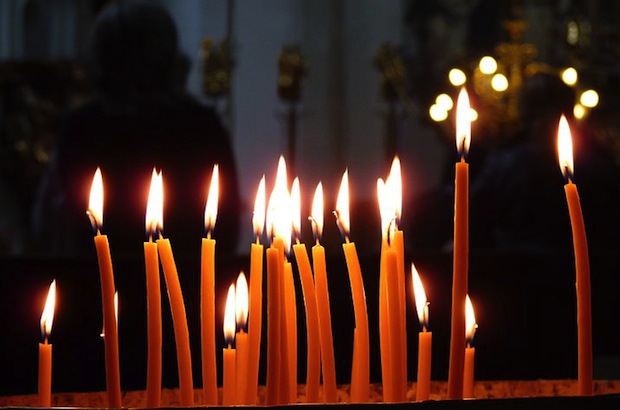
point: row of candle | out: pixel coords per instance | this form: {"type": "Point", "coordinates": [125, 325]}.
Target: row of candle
{"type": "Point", "coordinates": [283, 222]}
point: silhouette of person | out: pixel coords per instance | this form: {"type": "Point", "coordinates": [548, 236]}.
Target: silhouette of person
{"type": "Point", "coordinates": [141, 118]}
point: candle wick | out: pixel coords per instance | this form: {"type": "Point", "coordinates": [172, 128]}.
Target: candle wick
{"type": "Point", "coordinates": [161, 236]}
{"type": "Point", "coordinates": [297, 240]}
{"type": "Point", "coordinates": [346, 239]}
{"type": "Point", "coordinates": [258, 239]}
{"type": "Point", "coordinates": [208, 233]}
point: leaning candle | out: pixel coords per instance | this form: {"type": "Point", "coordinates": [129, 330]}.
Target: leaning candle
{"type": "Point", "coordinates": [470, 351]}
{"type": "Point", "coordinates": [179, 318]}
{"type": "Point", "coordinates": [582, 264]}
{"type": "Point", "coordinates": [241, 338]}
{"type": "Point", "coordinates": [360, 372]}
{"type": "Point", "coordinates": [425, 339]}
{"type": "Point", "coordinates": [207, 296]}
{"type": "Point", "coordinates": [95, 214]}
{"type": "Point", "coordinates": [313, 368]}
{"type": "Point", "coordinates": [229, 354]}
{"type": "Point", "coordinates": [153, 296]}
{"type": "Point", "coordinates": [256, 296]}
{"type": "Point", "coordinates": [45, 349]}
{"type": "Point", "coordinates": [461, 249]}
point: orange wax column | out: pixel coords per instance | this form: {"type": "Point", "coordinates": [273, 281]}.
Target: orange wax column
{"type": "Point", "coordinates": [360, 372]}
{"type": "Point", "coordinates": [229, 353]}
{"type": "Point", "coordinates": [106, 273]}
{"type": "Point", "coordinates": [179, 317]}
{"type": "Point", "coordinates": [461, 249]}
{"type": "Point", "coordinates": [45, 349]}
{"type": "Point", "coordinates": [290, 335]}
{"type": "Point", "coordinates": [153, 296]}
{"type": "Point", "coordinates": [255, 296]}
{"type": "Point", "coordinates": [384, 326]}
{"type": "Point", "coordinates": [470, 351]}
{"type": "Point", "coordinates": [582, 263]}
{"type": "Point", "coordinates": [241, 338]}
{"type": "Point", "coordinates": [395, 353]}
{"type": "Point", "coordinates": [207, 296]}
{"type": "Point", "coordinates": [274, 269]}
{"type": "Point", "coordinates": [425, 339]}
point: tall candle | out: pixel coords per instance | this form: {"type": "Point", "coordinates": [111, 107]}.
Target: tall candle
{"type": "Point", "coordinates": [179, 318]}
{"type": "Point", "coordinates": [399, 386]}
{"type": "Point", "coordinates": [45, 349]}
{"type": "Point", "coordinates": [207, 296]}
{"type": "Point", "coordinates": [384, 325]}
{"type": "Point", "coordinates": [241, 338]}
{"type": "Point", "coordinates": [274, 269]}
{"type": "Point", "coordinates": [360, 372]}
{"type": "Point", "coordinates": [425, 339]}
{"type": "Point", "coordinates": [229, 353]}
{"type": "Point", "coordinates": [106, 273]}
{"type": "Point", "coordinates": [582, 263]}
{"type": "Point", "coordinates": [290, 348]}
{"type": "Point", "coordinates": [461, 249]}
{"type": "Point", "coordinates": [153, 296]}
{"type": "Point", "coordinates": [470, 351]}
{"type": "Point", "coordinates": [256, 296]}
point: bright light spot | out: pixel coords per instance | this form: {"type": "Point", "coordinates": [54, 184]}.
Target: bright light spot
{"type": "Point", "coordinates": [589, 98]}
{"type": "Point", "coordinates": [569, 76]}
{"type": "Point", "coordinates": [579, 111]}
{"type": "Point", "coordinates": [444, 101]}
{"type": "Point", "coordinates": [437, 113]}
{"type": "Point", "coordinates": [499, 82]}
{"type": "Point", "coordinates": [473, 115]}
{"type": "Point", "coordinates": [487, 65]}
{"type": "Point", "coordinates": [457, 77]}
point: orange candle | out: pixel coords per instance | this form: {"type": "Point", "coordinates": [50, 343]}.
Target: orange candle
{"type": "Point", "coordinates": [106, 273]}
{"type": "Point", "coordinates": [179, 318]}
{"type": "Point", "coordinates": [360, 372]}
{"type": "Point", "coordinates": [274, 269]}
{"type": "Point", "coordinates": [399, 388]}
{"type": "Point", "coordinates": [582, 264]}
{"type": "Point", "coordinates": [425, 339]}
{"type": "Point", "coordinates": [384, 326]}
{"type": "Point", "coordinates": [470, 352]}
{"type": "Point", "coordinates": [241, 338]}
{"type": "Point", "coordinates": [207, 297]}
{"type": "Point", "coordinates": [461, 249]}
{"type": "Point", "coordinates": [256, 296]}
{"type": "Point", "coordinates": [290, 336]}
{"type": "Point", "coordinates": [153, 297]}
{"type": "Point", "coordinates": [45, 349]}
{"type": "Point", "coordinates": [229, 354]}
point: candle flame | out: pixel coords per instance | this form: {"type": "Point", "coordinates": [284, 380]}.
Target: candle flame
{"type": "Point", "coordinates": [421, 303]}
{"type": "Point", "coordinates": [296, 208]}
{"type": "Point", "coordinates": [211, 206]}
{"type": "Point", "coordinates": [241, 301]}
{"type": "Point", "coordinates": [229, 317]}
{"type": "Point", "coordinates": [565, 148]}
{"type": "Point", "coordinates": [395, 183]}
{"type": "Point", "coordinates": [47, 317]}
{"type": "Point", "coordinates": [316, 217]}
{"type": "Point", "coordinates": [258, 217]}
{"type": "Point", "coordinates": [342, 206]}
{"type": "Point", "coordinates": [470, 321]}
{"type": "Point", "coordinates": [463, 123]}
{"type": "Point", "coordinates": [154, 205]}
{"type": "Point", "coordinates": [95, 202]}
{"type": "Point", "coordinates": [279, 220]}
{"type": "Point", "coordinates": [387, 195]}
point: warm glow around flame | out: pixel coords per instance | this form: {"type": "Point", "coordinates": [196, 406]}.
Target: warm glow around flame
{"type": "Point", "coordinates": [258, 218]}
{"type": "Point", "coordinates": [395, 186]}
{"type": "Point", "coordinates": [421, 303]}
{"type": "Point", "coordinates": [95, 202]}
{"type": "Point", "coordinates": [384, 208]}
{"type": "Point", "coordinates": [211, 206]}
{"type": "Point", "coordinates": [229, 316]}
{"type": "Point", "coordinates": [154, 205]}
{"type": "Point", "coordinates": [241, 301]}
{"type": "Point", "coordinates": [316, 216]}
{"type": "Point", "coordinates": [296, 208]}
{"type": "Point", "coordinates": [47, 317]}
{"type": "Point", "coordinates": [279, 210]}
{"type": "Point", "coordinates": [463, 123]}
{"type": "Point", "coordinates": [342, 206]}
{"type": "Point", "coordinates": [470, 321]}
{"type": "Point", "coordinates": [565, 148]}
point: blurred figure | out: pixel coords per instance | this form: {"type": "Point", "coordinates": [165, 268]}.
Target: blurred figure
{"type": "Point", "coordinates": [141, 118]}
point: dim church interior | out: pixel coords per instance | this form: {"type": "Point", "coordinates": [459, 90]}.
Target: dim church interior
{"type": "Point", "coordinates": [357, 108]}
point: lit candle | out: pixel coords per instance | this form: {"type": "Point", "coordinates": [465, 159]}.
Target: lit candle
{"type": "Point", "coordinates": [425, 339]}
{"type": "Point", "coordinates": [313, 369]}
{"type": "Point", "coordinates": [582, 264]}
{"type": "Point", "coordinates": [207, 296]}
{"type": "Point", "coordinates": [461, 249]}
{"type": "Point", "coordinates": [289, 341]}
{"type": "Point", "coordinates": [153, 295]}
{"type": "Point", "coordinates": [241, 338]}
{"type": "Point", "coordinates": [45, 349]}
{"type": "Point", "coordinates": [470, 351]}
{"type": "Point", "coordinates": [106, 273]}
{"type": "Point", "coordinates": [229, 354]}
{"type": "Point", "coordinates": [179, 318]}
{"type": "Point", "coordinates": [330, 393]}
{"type": "Point", "coordinates": [360, 372]}
{"type": "Point", "coordinates": [256, 295]}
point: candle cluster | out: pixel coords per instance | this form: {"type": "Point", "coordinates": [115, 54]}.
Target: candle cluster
{"type": "Point", "coordinates": [280, 217]}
